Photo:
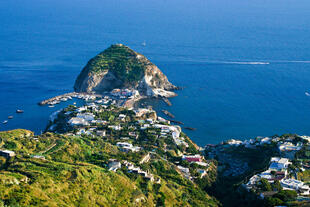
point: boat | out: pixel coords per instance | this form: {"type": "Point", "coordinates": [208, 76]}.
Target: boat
{"type": "Point", "coordinates": [19, 111]}
{"type": "Point", "coordinates": [51, 106]}
{"type": "Point", "coordinates": [10, 117]}
{"type": "Point", "coordinates": [5, 121]}
{"type": "Point", "coordinates": [144, 43]}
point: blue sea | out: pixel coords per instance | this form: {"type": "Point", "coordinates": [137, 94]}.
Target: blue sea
{"type": "Point", "coordinates": [244, 65]}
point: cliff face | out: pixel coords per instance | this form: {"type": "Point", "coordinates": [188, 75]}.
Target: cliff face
{"type": "Point", "coordinates": [121, 67]}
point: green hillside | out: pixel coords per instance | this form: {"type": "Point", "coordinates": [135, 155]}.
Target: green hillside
{"type": "Point", "coordinates": [63, 170]}
{"type": "Point", "coordinates": [118, 59]}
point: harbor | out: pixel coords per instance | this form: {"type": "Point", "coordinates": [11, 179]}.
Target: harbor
{"type": "Point", "coordinates": [68, 96]}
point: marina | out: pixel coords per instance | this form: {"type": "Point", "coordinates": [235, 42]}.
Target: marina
{"type": "Point", "coordinates": [68, 96]}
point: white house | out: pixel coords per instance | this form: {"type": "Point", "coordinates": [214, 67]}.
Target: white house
{"type": "Point", "coordinates": [279, 164]}
{"type": "Point", "coordinates": [292, 184]}
{"type": "Point", "coordinates": [234, 142]}
{"type": "Point", "coordinates": [75, 121]}
{"type": "Point", "coordinates": [288, 146]}
{"type": "Point", "coordinates": [86, 116]}
{"type": "Point", "coordinates": [114, 165]}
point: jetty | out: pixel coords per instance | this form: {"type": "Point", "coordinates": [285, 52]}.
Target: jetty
{"type": "Point", "coordinates": [190, 128]}
{"type": "Point", "coordinates": [176, 122]}
{"type": "Point", "coordinates": [168, 113]}
{"type": "Point", "coordinates": [167, 101]}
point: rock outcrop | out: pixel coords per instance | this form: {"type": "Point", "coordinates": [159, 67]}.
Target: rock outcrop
{"type": "Point", "coordinates": [121, 67]}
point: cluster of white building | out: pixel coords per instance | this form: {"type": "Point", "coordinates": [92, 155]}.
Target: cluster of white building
{"type": "Point", "coordinates": [175, 131]}
{"type": "Point", "coordinates": [278, 170]}
{"type": "Point", "coordinates": [283, 145]}
{"type": "Point", "coordinates": [124, 93]}
{"type": "Point", "coordinates": [251, 143]}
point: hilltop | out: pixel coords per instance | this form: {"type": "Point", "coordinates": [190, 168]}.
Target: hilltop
{"type": "Point", "coordinates": [120, 67]}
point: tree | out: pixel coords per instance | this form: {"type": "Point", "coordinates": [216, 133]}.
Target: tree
{"type": "Point", "coordinates": [286, 195]}
{"type": "Point", "coordinates": [264, 185]}
{"type": "Point", "coordinates": [276, 185]}
{"type": "Point", "coordinates": [273, 202]}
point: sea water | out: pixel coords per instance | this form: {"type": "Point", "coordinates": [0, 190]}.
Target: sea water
{"type": "Point", "coordinates": [244, 65]}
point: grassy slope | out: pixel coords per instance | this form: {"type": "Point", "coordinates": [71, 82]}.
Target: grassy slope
{"type": "Point", "coordinates": [75, 174]}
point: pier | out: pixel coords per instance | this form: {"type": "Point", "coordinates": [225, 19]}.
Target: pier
{"type": "Point", "coordinates": [168, 113]}
{"type": "Point", "coordinates": [167, 101]}
{"type": "Point", "coordinates": [176, 122]}
{"type": "Point", "coordinates": [190, 128]}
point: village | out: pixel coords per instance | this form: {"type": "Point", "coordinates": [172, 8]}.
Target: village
{"type": "Point", "coordinates": [136, 131]}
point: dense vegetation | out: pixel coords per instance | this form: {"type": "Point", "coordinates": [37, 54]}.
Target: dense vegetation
{"type": "Point", "coordinates": [121, 61]}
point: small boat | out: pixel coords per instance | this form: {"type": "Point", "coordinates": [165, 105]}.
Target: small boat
{"type": "Point", "coordinates": [10, 117]}
{"type": "Point", "coordinates": [5, 121]}
{"type": "Point", "coordinates": [144, 43]}
{"type": "Point", "coordinates": [74, 103]}
{"type": "Point", "coordinates": [307, 94]}
{"type": "Point", "coordinates": [19, 111]}
{"type": "Point", "coordinates": [51, 106]}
